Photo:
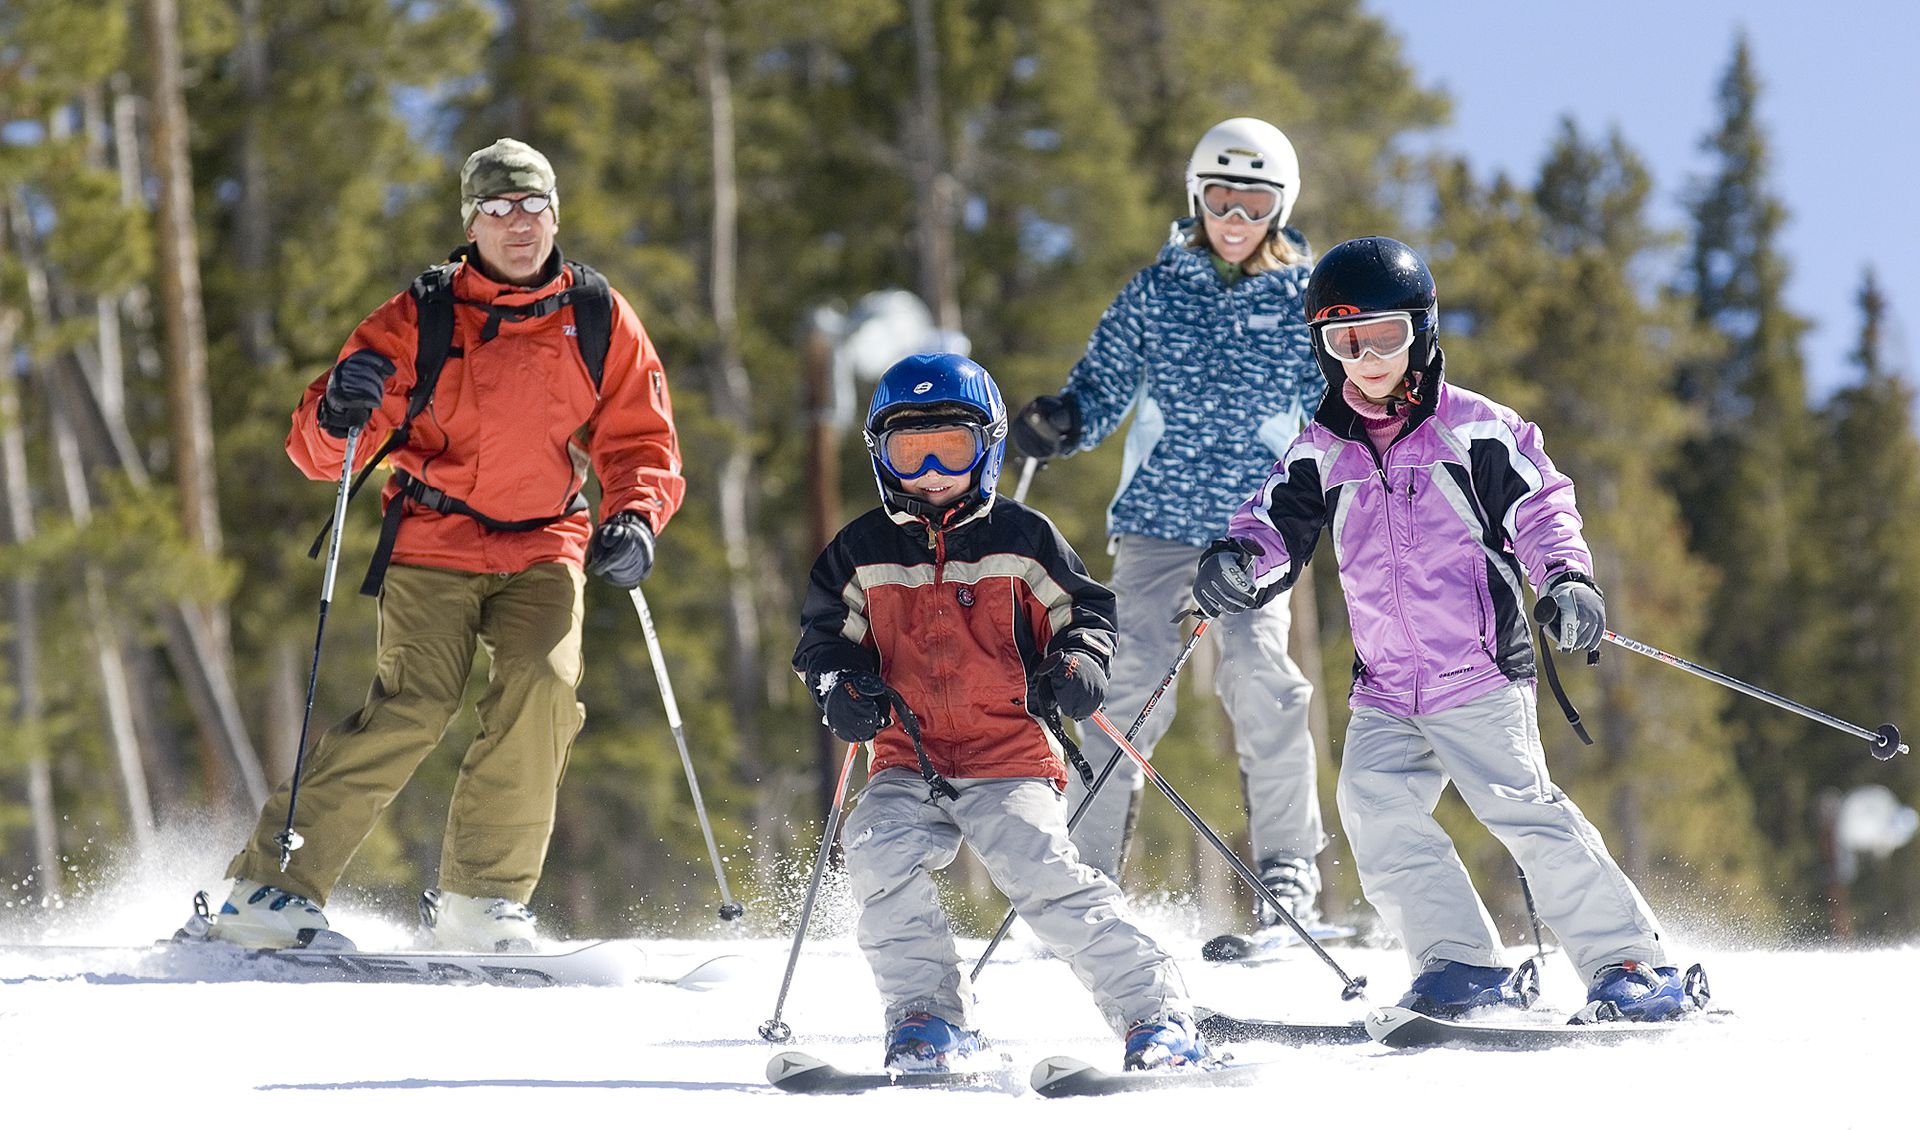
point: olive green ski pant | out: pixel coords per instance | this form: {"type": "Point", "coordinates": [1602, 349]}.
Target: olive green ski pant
{"type": "Point", "coordinates": [432, 621]}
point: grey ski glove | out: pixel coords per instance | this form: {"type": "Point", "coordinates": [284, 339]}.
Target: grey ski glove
{"type": "Point", "coordinates": [1579, 612]}
{"type": "Point", "coordinates": [1225, 582]}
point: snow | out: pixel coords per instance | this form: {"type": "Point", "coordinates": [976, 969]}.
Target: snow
{"type": "Point", "coordinates": [1819, 1039]}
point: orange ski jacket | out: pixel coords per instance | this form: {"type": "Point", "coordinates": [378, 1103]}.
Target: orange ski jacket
{"type": "Point", "coordinates": [513, 425]}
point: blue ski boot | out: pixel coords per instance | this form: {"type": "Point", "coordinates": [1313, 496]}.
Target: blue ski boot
{"type": "Point", "coordinates": [1449, 989]}
{"type": "Point", "coordinates": [1634, 990]}
{"type": "Point", "coordinates": [924, 1044]}
{"type": "Point", "coordinates": [1167, 1041]}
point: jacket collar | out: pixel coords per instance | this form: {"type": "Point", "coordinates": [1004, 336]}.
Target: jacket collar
{"type": "Point", "coordinates": [1338, 417]}
{"type": "Point", "coordinates": [471, 284]}
{"type": "Point", "coordinates": [961, 513]}
{"type": "Point", "coordinates": [1195, 268]}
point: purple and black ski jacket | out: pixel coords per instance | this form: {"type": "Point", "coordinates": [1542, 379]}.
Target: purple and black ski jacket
{"type": "Point", "coordinates": [1430, 537]}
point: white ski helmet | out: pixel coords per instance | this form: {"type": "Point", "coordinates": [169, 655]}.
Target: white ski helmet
{"type": "Point", "coordinates": [1246, 150]}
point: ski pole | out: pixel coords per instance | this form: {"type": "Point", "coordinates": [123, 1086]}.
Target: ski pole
{"type": "Point", "coordinates": [1026, 478]}
{"type": "Point", "coordinates": [1885, 742]}
{"type": "Point", "coordinates": [1533, 914]}
{"type": "Point", "coordinates": [776, 1031]}
{"type": "Point", "coordinates": [729, 909]}
{"type": "Point", "coordinates": [288, 839]}
{"type": "Point", "coordinates": [1354, 986]}
{"type": "Point", "coordinates": [1106, 771]}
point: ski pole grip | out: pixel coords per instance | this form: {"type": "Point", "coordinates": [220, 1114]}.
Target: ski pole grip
{"type": "Point", "coordinates": [1545, 611]}
{"type": "Point", "coordinates": [1886, 743]}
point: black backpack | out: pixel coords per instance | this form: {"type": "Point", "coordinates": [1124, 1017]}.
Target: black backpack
{"type": "Point", "coordinates": [434, 302]}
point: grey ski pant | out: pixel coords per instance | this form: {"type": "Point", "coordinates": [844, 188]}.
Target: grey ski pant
{"type": "Point", "coordinates": [894, 840]}
{"type": "Point", "coordinates": [1262, 689]}
{"type": "Point", "coordinates": [1390, 780]}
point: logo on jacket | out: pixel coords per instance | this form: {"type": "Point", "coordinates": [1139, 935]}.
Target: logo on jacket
{"type": "Point", "coordinates": [965, 596]}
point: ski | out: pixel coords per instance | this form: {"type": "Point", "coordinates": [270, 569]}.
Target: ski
{"type": "Point", "coordinates": [1266, 945]}
{"type": "Point", "coordinates": [1062, 1076]}
{"type": "Point", "coordinates": [599, 963]}
{"type": "Point", "coordinates": [1404, 1028]}
{"type": "Point", "coordinates": [1221, 1028]}
{"type": "Point", "coordinates": [802, 1074]}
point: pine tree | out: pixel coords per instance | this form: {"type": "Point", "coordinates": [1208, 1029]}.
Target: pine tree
{"type": "Point", "coordinates": [1742, 479]}
{"type": "Point", "coordinates": [1869, 489]}
{"type": "Point", "coordinates": [1540, 311]}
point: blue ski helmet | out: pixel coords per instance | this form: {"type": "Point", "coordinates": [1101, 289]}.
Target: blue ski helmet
{"type": "Point", "coordinates": [932, 386]}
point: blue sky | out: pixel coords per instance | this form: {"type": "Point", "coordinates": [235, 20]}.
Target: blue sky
{"type": "Point", "coordinates": [1839, 98]}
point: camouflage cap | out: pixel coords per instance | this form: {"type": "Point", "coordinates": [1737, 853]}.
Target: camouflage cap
{"type": "Point", "coordinates": [505, 166]}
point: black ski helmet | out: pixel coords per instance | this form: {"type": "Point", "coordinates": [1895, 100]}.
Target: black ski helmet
{"type": "Point", "coordinates": [1372, 275]}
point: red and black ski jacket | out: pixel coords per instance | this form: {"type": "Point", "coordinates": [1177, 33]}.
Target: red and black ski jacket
{"type": "Point", "coordinates": [955, 613]}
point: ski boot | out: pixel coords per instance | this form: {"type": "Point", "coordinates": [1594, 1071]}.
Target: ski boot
{"type": "Point", "coordinates": [1634, 990]}
{"type": "Point", "coordinates": [258, 916]}
{"type": "Point", "coordinates": [1167, 1041]}
{"type": "Point", "coordinates": [478, 925]}
{"type": "Point", "coordinates": [1296, 883]}
{"type": "Point", "coordinates": [924, 1044]}
{"type": "Point", "coordinates": [1449, 989]}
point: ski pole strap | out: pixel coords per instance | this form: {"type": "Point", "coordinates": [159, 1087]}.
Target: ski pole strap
{"type": "Point", "coordinates": [1070, 748]}
{"type": "Point", "coordinates": [937, 786]}
{"type": "Point", "coordinates": [1553, 682]}
{"type": "Point", "coordinates": [416, 493]}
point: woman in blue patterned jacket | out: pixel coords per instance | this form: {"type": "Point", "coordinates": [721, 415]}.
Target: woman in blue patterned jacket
{"type": "Point", "coordinates": [1208, 348]}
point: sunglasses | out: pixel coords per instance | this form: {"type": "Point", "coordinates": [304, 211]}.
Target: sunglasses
{"type": "Point", "coordinates": [1256, 203]}
{"type": "Point", "coordinates": [951, 449]}
{"type": "Point", "coordinates": [1386, 336]}
{"type": "Point", "coordinates": [501, 206]}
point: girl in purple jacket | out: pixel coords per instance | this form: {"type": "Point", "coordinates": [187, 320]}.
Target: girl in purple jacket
{"type": "Point", "coordinates": [1439, 500]}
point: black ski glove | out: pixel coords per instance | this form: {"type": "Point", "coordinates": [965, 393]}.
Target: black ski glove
{"type": "Point", "coordinates": [1224, 583]}
{"type": "Point", "coordinates": [622, 550]}
{"type": "Point", "coordinates": [354, 390]}
{"type": "Point", "coordinates": [1047, 428]}
{"type": "Point", "coordinates": [1579, 612]}
{"type": "Point", "coordinates": [857, 706]}
{"type": "Point", "coordinates": [1072, 680]}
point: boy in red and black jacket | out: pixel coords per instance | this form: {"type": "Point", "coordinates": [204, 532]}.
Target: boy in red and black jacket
{"type": "Point", "coordinates": [973, 613]}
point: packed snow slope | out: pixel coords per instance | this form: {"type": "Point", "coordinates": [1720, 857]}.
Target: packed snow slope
{"type": "Point", "coordinates": [1818, 1039]}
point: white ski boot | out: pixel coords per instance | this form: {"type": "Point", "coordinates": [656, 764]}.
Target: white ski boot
{"type": "Point", "coordinates": [259, 916]}
{"type": "Point", "coordinates": [480, 925]}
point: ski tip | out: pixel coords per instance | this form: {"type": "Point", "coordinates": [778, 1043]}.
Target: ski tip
{"type": "Point", "coordinates": [1383, 1022]}
{"type": "Point", "coordinates": [1227, 947]}
{"type": "Point", "coordinates": [1051, 1071]}
{"type": "Point", "coordinates": [713, 973]}
{"type": "Point", "coordinates": [787, 1065]}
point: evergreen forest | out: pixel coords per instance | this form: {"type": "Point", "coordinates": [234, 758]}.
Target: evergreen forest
{"type": "Point", "coordinates": [199, 199]}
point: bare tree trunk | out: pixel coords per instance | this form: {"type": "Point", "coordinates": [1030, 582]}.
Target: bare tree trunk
{"type": "Point", "coordinates": [732, 405]}
{"type": "Point", "coordinates": [523, 30]}
{"type": "Point", "coordinates": [209, 686]}
{"type": "Point", "coordinates": [186, 334]}
{"type": "Point", "coordinates": [178, 244]}
{"type": "Point", "coordinates": [113, 673]}
{"type": "Point", "coordinates": [935, 192]}
{"type": "Point", "coordinates": [106, 647]}
{"type": "Point", "coordinates": [24, 614]}
{"type": "Point", "coordinates": [253, 227]}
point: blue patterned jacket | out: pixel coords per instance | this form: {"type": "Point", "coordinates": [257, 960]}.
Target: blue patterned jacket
{"type": "Point", "coordinates": [1220, 380]}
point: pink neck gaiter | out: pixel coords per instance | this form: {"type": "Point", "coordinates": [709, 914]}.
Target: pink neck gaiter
{"type": "Point", "coordinates": [1383, 421]}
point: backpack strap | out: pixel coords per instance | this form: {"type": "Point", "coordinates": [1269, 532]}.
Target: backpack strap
{"type": "Point", "coordinates": [592, 318]}
{"type": "Point", "coordinates": [433, 301]}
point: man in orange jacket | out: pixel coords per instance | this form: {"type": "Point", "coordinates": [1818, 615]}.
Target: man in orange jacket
{"type": "Point", "coordinates": [488, 535]}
